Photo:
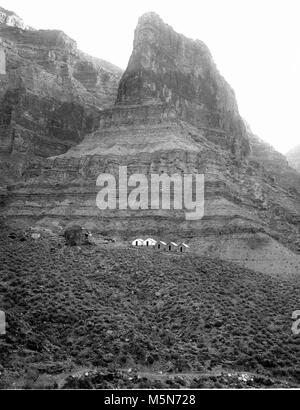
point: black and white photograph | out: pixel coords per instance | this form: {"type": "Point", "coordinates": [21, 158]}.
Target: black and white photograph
{"type": "Point", "coordinates": [149, 198]}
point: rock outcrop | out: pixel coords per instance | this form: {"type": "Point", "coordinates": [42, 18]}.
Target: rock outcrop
{"type": "Point", "coordinates": [51, 95]}
{"type": "Point", "coordinates": [12, 19]}
{"type": "Point", "coordinates": [173, 113]}
{"type": "Point", "coordinates": [293, 157]}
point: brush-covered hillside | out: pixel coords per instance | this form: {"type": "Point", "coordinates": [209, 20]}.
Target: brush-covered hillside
{"type": "Point", "coordinates": [113, 316]}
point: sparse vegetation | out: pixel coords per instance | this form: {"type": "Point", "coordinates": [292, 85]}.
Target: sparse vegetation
{"type": "Point", "coordinates": [111, 308]}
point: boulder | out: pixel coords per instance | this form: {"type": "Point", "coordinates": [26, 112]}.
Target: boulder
{"type": "Point", "coordinates": [76, 235]}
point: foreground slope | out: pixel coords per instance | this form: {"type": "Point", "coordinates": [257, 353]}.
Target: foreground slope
{"type": "Point", "coordinates": [115, 307]}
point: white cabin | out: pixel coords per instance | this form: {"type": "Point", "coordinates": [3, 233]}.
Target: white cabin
{"type": "Point", "coordinates": [138, 242]}
{"type": "Point", "coordinates": [150, 242]}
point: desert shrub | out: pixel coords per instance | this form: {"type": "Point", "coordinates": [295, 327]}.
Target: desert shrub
{"type": "Point", "coordinates": [76, 235]}
{"type": "Point", "coordinates": [101, 308]}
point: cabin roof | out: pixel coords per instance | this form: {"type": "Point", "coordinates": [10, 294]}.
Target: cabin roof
{"type": "Point", "coordinates": [172, 243]}
{"type": "Point", "coordinates": [184, 244]}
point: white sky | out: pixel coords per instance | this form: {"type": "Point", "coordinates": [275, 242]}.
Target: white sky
{"type": "Point", "coordinates": [255, 44]}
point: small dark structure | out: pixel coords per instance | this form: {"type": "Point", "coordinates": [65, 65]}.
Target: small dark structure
{"type": "Point", "coordinates": [183, 247]}
{"type": "Point", "coordinates": [172, 247]}
{"type": "Point", "coordinates": [160, 246]}
{"type": "Point", "coordinates": [77, 235]}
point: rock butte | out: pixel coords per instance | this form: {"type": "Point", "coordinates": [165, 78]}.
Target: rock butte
{"type": "Point", "coordinates": [172, 112]}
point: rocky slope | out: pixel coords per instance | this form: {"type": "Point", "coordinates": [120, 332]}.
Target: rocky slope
{"type": "Point", "coordinates": [174, 113]}
{"type": "Point", "coordinates": [51, 94]}
{"type": "Point", "coordinates": [293, 157]}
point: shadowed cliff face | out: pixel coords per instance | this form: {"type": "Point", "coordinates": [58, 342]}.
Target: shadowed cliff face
{"type": "Point", "coordinates": [167, 67]}
{"type": "Point", "coordinates": [293, 157]}
{"type": "Point", "coordinates": [51, 95]}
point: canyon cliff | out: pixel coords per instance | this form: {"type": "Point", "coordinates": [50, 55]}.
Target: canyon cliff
{"type": "Point", "coordinates": [51, 93]}
{"type": "Point", "coordinates": [172, 113]}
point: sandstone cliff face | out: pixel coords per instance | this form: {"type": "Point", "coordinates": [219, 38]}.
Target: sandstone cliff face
{"type": "Point", "coordinates": [166, 66]}
{"type": "Point", "coordinates": [51, 95]}
{"type": "Point", "coordinates": [173, 114]}
{"type": "Point", "coordinates": [293, 157]}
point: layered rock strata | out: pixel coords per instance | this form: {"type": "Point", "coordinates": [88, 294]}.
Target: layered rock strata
{"type": "Point", "coordinates": [167, 67]}
{"type": "Point", "coordinates": [174, 113]}
{"type": "Point", "coordinates": [51, 95]}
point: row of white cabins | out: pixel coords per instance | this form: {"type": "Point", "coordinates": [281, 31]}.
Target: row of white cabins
{"type": "Point", "coordinates": [160, 245]}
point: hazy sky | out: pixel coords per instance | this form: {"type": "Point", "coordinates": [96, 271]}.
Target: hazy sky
{"type": "Point", "coordinates": [255, 44]}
